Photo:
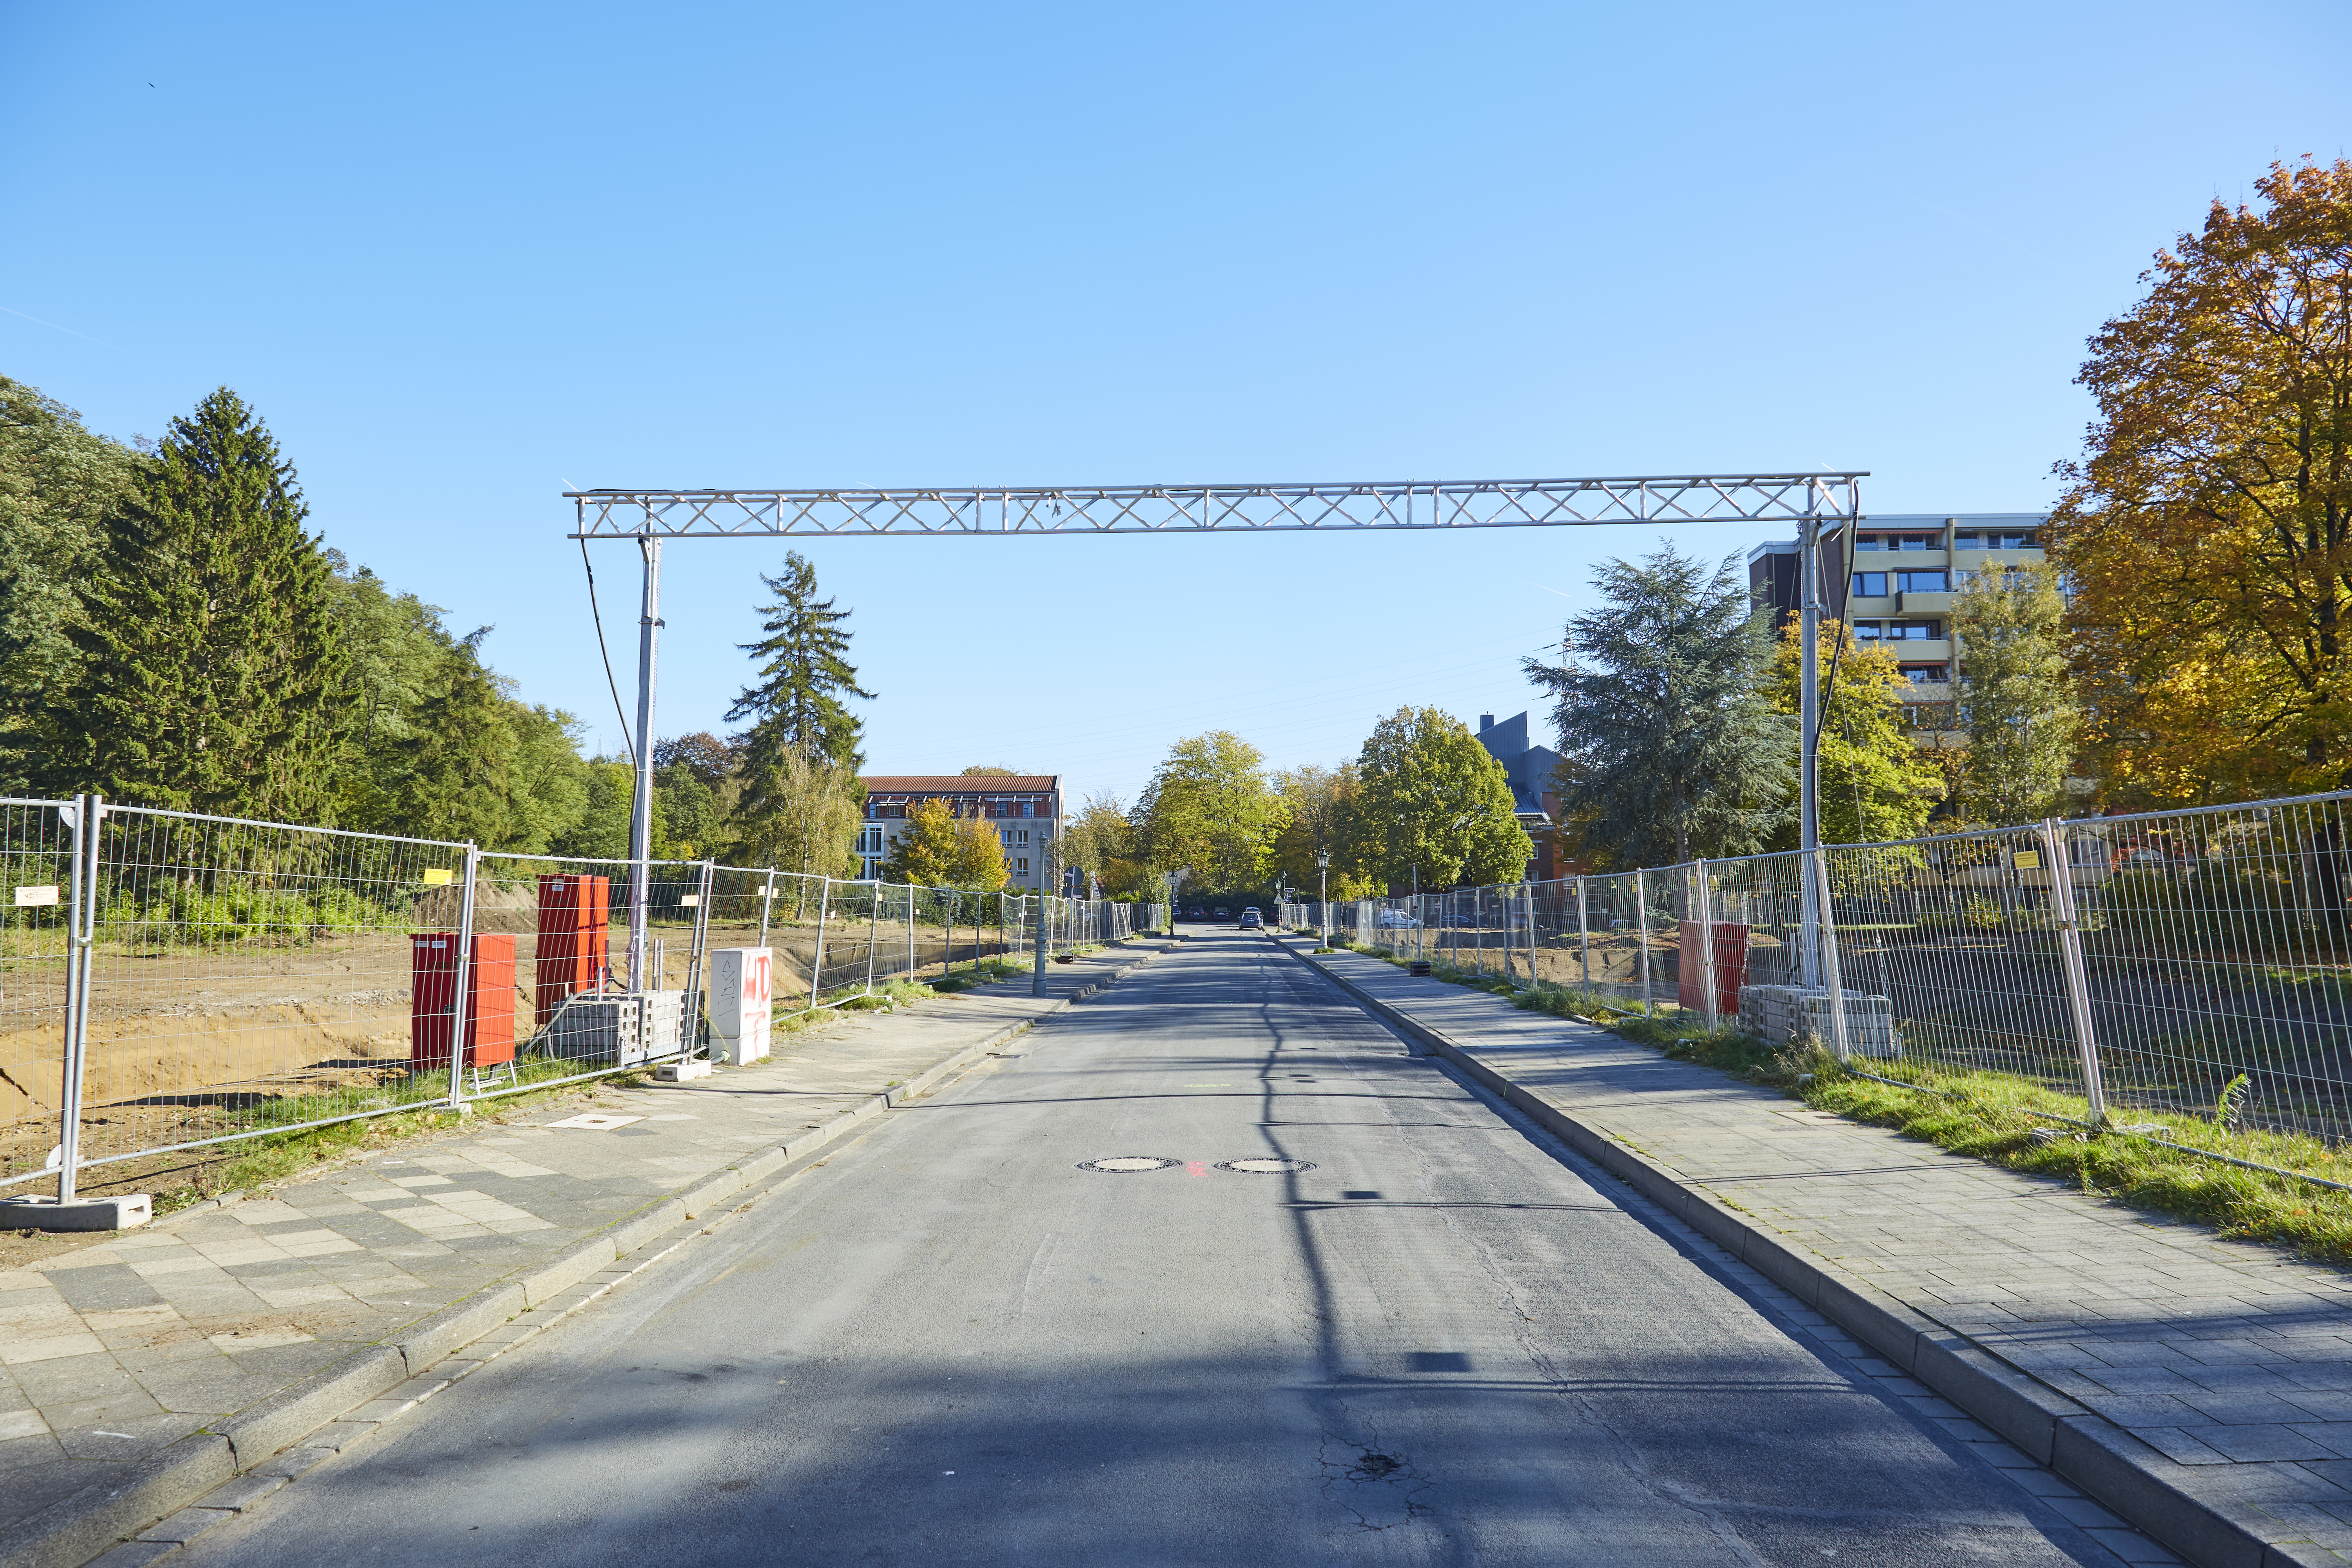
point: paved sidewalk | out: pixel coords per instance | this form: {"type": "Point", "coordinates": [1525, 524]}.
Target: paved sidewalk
{"type": "Point", "coordinates": [111, 1353]}
{"type": "Point", "coordinates": [2232, 1362]}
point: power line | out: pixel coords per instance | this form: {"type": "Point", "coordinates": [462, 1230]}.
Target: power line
{"type": "Point", "coordinates": [627, 744]}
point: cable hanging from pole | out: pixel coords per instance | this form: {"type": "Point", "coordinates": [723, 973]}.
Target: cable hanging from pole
{"type": "Point", "coordinates": [627, 744]}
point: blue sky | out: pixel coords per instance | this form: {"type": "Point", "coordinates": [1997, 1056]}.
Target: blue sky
{"type": "Point", "coordinates": [463, 258]}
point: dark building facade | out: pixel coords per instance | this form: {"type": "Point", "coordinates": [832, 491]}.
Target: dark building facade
{"type": "Point", "coordinates": [1533, 803]}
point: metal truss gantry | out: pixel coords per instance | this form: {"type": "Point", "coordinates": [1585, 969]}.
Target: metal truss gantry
{"type": "Point", "coordinates": [1809, 500]}
{"type": "Point", "coordinates": [1179, 508]}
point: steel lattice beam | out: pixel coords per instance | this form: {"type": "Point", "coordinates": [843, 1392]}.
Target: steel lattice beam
{"type": "Point", "coordinates": [1176, 509]}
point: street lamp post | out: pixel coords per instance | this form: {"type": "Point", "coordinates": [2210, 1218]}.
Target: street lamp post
{"type": "Point", "coordinates": [1323, 866]}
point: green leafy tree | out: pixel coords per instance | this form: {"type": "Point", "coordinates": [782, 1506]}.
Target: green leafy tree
{"type": "Point", "coordinates": [1210, 809]}
{"type": "Point", "coordinates": [928, 848]}
{"type": "Point", "coordinates": [210, 667]}
{"type": "Point", "coordinates": [2015, 695]}
{"type": "Point", "coordinates": [1669, 748]}
{"type": "Point", "coordinates": [810, 821]}
{"type": "Point", "coordinates": [1874, 782]}
{"type": "Point", "coordinates": [1320, 801]}
{"type": "Point", "coordinates": [2206, 533]}
{"type": "Point", "coordinates": [1432, 803]}
{"type": "Point", "coordinates": [601, 831]}
{"type": "Point", "coordinates": [58, 482]}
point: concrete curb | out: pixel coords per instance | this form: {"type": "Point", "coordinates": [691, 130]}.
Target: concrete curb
{"type": "Point", "coordinates": [87, 1523]}
{"type": "Point", "coordinates": [2175, 1505]}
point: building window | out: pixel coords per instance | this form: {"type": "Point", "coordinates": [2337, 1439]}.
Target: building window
{"type": "Point", "coordinates": [1024, 836]}
{"type": "Point", "coordinates": [1928, 674]}
{"type": "Point", "coordinates": [2011, 540]}
{"type": "Point", "coordinates": [1898, 631]}
{"type": "Point", "coordinates": [1921, 582]}
{"type": "Point", "coordinates": [1028, 808]}
{"type": "Point", "coordinates": [1022, 865]}
{"type": "Point", "coordinates": [1870, 584]}
{"type": "Point", "coordinates": [1870, 541]}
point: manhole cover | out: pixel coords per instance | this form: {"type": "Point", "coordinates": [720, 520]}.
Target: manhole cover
{"type": "Point", "coordinates": [1266, 1167]}
{"type": "Point", "coordinates": [595, 1121]}
{"type": "Point", "coordinates": [1119, 1165]}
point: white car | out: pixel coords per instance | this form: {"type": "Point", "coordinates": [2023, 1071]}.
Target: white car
{"type": "Point", "coordinates": [1395, 919]}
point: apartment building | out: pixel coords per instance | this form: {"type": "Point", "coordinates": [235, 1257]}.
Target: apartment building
{"type": "Point", "coordinates": [1025, 809]}
{"type": "Point", "coordinates": [1894, 588]}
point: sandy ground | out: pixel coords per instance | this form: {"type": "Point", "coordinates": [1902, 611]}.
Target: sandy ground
{"type": "Point", "coordinates": [178, 1035]}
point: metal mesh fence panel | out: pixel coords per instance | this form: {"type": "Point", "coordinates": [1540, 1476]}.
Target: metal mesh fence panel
{"type": "Point", "coordinates": [249, 977]}
{"type": "Point", "coordinates": [37, 887]}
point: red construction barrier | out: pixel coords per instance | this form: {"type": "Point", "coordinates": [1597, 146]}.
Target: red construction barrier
{"type": "Point", "coordinates": [1730, 967]}
{"type": "Point", "coordinates": [571, 954]}
{"type": "Point", "coordinates": [489, 1007]}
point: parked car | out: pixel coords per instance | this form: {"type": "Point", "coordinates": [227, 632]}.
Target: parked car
{"type": "Point", "coordinates": [1221, 914]}
{"type": "Point", "coordinates": [1252, 920]}
{"type": "Point", "coordinates": [1395, 919]}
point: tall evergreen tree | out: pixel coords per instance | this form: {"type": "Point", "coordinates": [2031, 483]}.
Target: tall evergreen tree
{"type": "Point", "coordinates": [210, 659]}
{"type": "Point", "coordinates": [1669, 747]}
{"type": "Point", "coordinates": [798, 720]}
{"type": "Point", "coordinates": [804, 674]}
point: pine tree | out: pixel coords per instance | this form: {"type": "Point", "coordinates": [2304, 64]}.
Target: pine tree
{"type": "Point", "coordinates": [210, 659]}
{"type": "Point", "coordinates": [806, 672]}
{"type": "Point", "coordinates": [1669, 749]}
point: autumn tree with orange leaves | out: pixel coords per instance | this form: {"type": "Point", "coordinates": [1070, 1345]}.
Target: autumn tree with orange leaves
{"type": "Point", "coordinates": [2207, 531]}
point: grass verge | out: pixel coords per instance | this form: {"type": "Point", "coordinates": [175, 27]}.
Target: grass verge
{"type": "Point", "coordinates": [2010, 1122]}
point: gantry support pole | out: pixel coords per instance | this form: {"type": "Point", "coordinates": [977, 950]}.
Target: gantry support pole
{"type": "Point", "coordinates": [641, 813]}
{"type": "Point", "coordinates": [1809, 719]}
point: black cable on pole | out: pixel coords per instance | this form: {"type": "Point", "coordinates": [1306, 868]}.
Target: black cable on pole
{"type": "Point", "coordinates": [627, 744]}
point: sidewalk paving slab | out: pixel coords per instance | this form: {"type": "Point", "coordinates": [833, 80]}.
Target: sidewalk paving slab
{"type": "Point", "coordinates": [2201, 1388]}
{"type": "Point", "coordinates": [264, 1318]}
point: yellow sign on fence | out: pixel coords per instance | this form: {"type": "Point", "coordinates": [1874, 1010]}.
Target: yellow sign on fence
{"type": "Point", "coordinates": [439, 877]}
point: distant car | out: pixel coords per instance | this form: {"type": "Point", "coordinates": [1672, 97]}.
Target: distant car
{"type": "Point", "coordinates": [1221, 914]}
{"type": "Point", "coordinates": [1252, 920]}
{"type": "Point", "coordinates": [1396, 920]}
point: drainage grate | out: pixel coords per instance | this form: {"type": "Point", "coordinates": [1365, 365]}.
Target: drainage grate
{"type": "Point", "coordinates": [1266, 1167]}
{"type": "Point", "coordinates": [1121, 1164]}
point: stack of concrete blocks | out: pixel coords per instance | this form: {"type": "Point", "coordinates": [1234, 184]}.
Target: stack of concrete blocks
{"type": "Point", "coordinates": [1778, 1014]}
{"type": "Point", "coordinates": [621, 1031]}
{"type": "Point", "coordinates": [742, 998]}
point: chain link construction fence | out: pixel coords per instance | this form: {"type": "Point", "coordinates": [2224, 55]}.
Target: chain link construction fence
{"type": "Point", "coordinates": [2193, 964]}
{"type": "Point", "coordinates": [170, 981]}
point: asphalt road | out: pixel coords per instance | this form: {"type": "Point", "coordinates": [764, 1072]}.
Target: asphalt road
{"type": "Point", "coordinates": [1445, 1342]}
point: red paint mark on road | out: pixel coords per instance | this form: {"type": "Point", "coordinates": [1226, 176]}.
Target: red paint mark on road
{"type": "Point", "coordinates": [1196, 1168]}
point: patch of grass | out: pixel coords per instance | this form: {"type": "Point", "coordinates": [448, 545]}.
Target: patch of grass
{"type": "Point", "coordinates": [2007, 1120]}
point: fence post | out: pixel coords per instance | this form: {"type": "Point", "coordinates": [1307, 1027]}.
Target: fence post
{"type": "Point", "coordinates": [691, 1019]}
{"type": "Point", "coordinates": [2070, 955]}
{"type": "Point", "coordinates": [1583, 936]}
{"type": "Point", "coordinates": [1705, 946]}
{"type": "Point", "coordinates": [767, 902]}
{"type": "Point", "coordinates": [911, 934]}
{"type": "Point", "coordinates": [1642, 916]}
{"type": "Point", "coordinates": [1037, 975]}
{"type": "Point", "coordinates": [873, 935]}
{"type": "Point", "coordinates": [461, 1002]}
{"type": "Point", "coordinates": [81, 929]}
{"type": "Point", "coordinates": [817, 959]}
{"type": "Point", "coordinates": [1832, 970]}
